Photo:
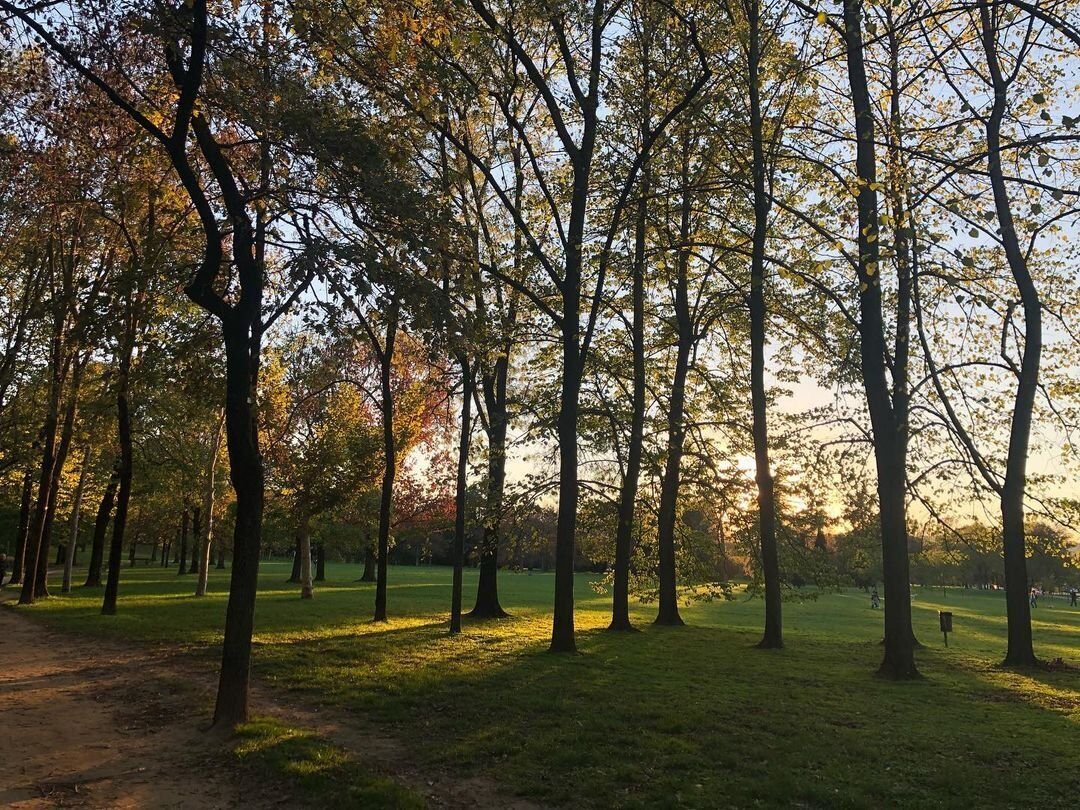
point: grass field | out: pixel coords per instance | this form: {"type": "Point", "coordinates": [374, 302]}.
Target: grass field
{"type": "Point", "coordinates": [693, 716]}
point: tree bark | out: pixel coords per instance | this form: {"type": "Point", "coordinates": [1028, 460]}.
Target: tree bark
{"type": "Point", "coordinates": [73, 524]}
{"type": "Point", "coordinates": [770, 563]}
{"type": "Point", "coordinates": [294, 574]}
{"type": "Point", "coordinates": [668, 612]}
{"type": "Point", "coordinates": [487, 589]}
{"type": "Point", "coordinates": [303, 538]}
{"type": "Point", "coordinates": [369, 562]}
{"type": "Point", "coordinates": [18, 561]}
{"type": "Point", "coordinates": [458, 552]}
{"type": "Point", "coordinates": [123, 494]}
{"type": "Point", "coordinates": [184, 525]}
{"type": "Point", "coordinates": [196, 538]}
{"type": "Point", "coordinates": [899, 659]}
{"type": "Point", "coordinates": [1021, 651]}
{"type": "Point", "coordinates": [386, 500]}
{"type": "Point", "coordinates": [320, 562]}
{"type": "Point", "coordinates": [101, 525]}
{"type": "Point", "coordinates": [209, 495]}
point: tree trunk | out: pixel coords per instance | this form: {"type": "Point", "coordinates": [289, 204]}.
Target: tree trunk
{"type": "Point", "coordinates": [66, 433]}
{"type": "Point", "coordinates": [369, 562]}
{"type": "Point", "coordinates": [1021, 651]}
{"type": "Point", "coordinates": [123, 495]}
{"type": "Point", "coordinates": [209, 494]}
{"type": "Point", "coordinates": [899, 660]}
{"type": "Point", "coordinates": [303, 539]}
{"type": "Point", "coordinates": [18, 561]}
{"type": "Point", "coordinates": [458, 552]}
{"type": "Point", "coordinates": [185, 517]}
{"type": "Point", "coordinates": [668, 612]}
{"type": "Point", "coordinates": [294, 574]}
{"type": "Point", "coordinates": [243, 341]}
{"type": "Point", "coordinates": [386, 500]}
{"type": "Point", "coordinates": [487, 590]}
{"type": "Point", "coordinates": [320, 562]}
{"type": "Point", "coordinates": [101, 525]}
{"type": "Point", "coordinates": [196, 537]}
{"type": "Point", "coordinates": [73, 524]}
{"type": "Point", "coordinates": [770, 564]}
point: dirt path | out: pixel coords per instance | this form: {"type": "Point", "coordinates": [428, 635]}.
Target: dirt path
{"type": "Point", "coordinates": [98, 724]}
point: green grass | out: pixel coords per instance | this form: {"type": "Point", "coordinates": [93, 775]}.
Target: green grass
{"type": "Point", "coordinates": [669, 717]}
{"type": "Point", "coordinates": [325, 774]}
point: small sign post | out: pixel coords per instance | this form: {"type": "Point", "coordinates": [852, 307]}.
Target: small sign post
{"type": "Point", "coordinates": [945, 620]}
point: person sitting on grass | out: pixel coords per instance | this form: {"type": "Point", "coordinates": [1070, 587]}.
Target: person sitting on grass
{"type": "Point", "coordinates": [875, 602]}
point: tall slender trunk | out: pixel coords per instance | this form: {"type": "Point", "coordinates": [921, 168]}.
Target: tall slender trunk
{"type": "Point", "coordinates": [458, 551]}
{"type": "Point", "coordinates": [770, 563]}
{"type": "Point", "coordinates": [17, 562]}
{"type": "Point", "coordinates": [294, 574]}
{"type": "Point", "coordinates": [123, 494]}
{"type": "Point", "coordinates": [668, 612]}
{"type": "Point", "coordinates": [303, 537]}
{"type": "Point", "coordinates": [562, 626]}
{"type": "Point", "coordinates": [73, 523]}
{"type": "Point", "coordinates": [67, 431]}
{"type": "Point", "coordinates": [320, 562]}
{"type": "Point", "coordinates": [196, 538]}
{"type": "Point", "coordinates": [487, 590]}
{"type": "Point", "coordinates": [899, 659]}
{"type": "Point", "coordinates": [624, 532]}
{"type": "Point", "coordinates": [206, 538]}
{"type": "Point", "coordinates": [243, 348]}
{"type": "Point", "coordinates": [386, 499]}
{"type": "Point", "coordinates": [101, 525]}
{"type": "Point", "coordinates": [1021, 651]}
{"type": "Point", "coordinates": [184, 525]}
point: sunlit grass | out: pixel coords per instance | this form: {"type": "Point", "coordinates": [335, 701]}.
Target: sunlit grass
{"type": "Point", "coordinates": [693, 716]}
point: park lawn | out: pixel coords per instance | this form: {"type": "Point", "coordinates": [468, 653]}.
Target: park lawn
{"type": "Point", "coordinates": [668, 717]}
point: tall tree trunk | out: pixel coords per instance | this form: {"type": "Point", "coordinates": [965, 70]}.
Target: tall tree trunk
{"type": "Point", "coordinates": [386, 500]}
{"type": "Point", "coordinates": [303, 537]}
{"type": "Point", "coordinates": [562, 625]}
{"type": "Point", "coordinates": [62, 449]}
{"type": "Point", "coordinates": [668, 612]}
{"type": "Point", "coordinates": [369, 561]}
{"type": "Point", "coordinates": [73, 524]}
{"type": "Point", "coordinates": [1021, 651]}
{"type": "Point", "coordinates": [770, 563]}
{"type": "Point", "coordinates": [101, 525]}
{"type": "Point", "coordinates": [206, 539]}
{"type": "Point", "coordinates": [320, 562]}
{"type": "Point", "coordinates": [458, 552]}
{"type": "Point", "coordinates": [899, 660]}
{"type": "Point", "coordinates": [487, 589]}
{"type": "Point", "coordinates": [243, 347]}
{"type": "Point", "coordinates": [624, 533]}
{"type": "Point", "coordinates": [123, 494]}
{"type": "Point", "coordinates": [184, 525]}
{"type": "Point", "coordinates": [18, 561]}
{"type": "Point", "coordinates": [294, 574]}
{"type": "Point", "coordinates": [196, 538]}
